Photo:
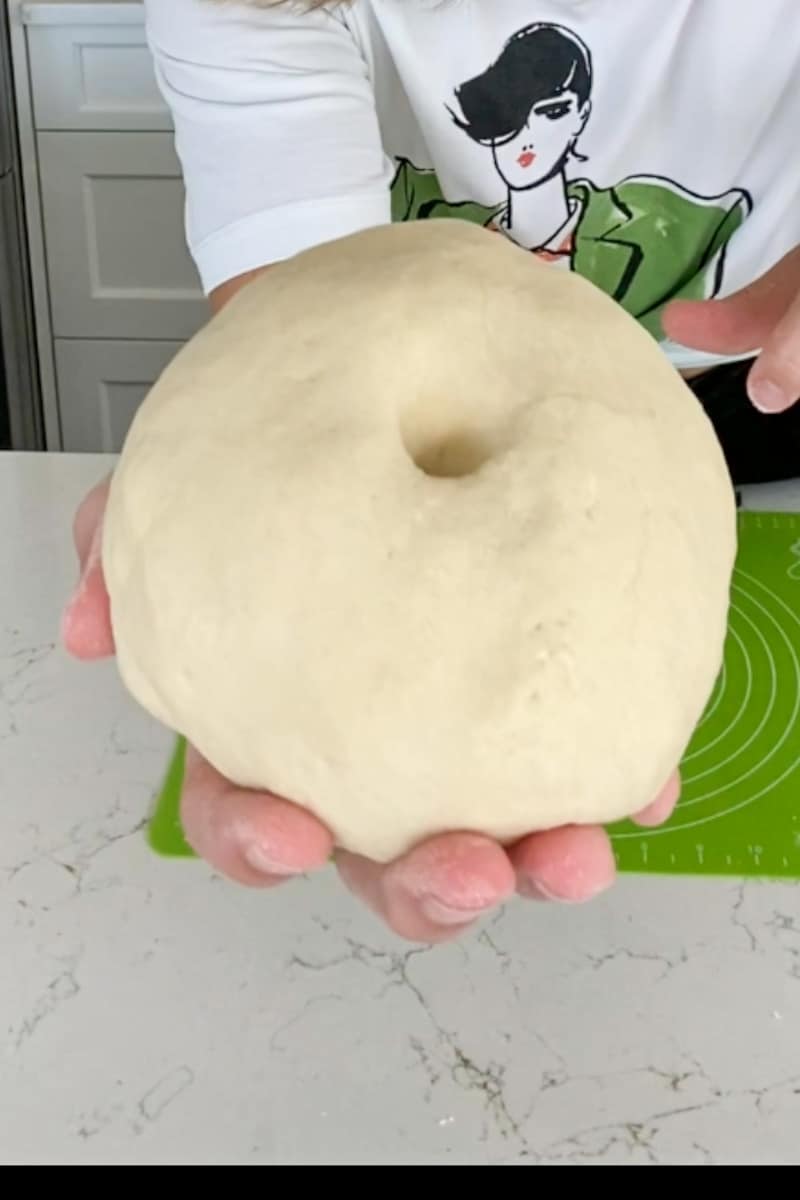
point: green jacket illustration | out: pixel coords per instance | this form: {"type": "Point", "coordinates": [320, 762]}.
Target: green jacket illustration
{"type": "Point", "coordinates": [646, 241]}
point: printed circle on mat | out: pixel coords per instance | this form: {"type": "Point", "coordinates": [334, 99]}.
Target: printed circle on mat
{"type": "Point", "coordinates": [747, 741]}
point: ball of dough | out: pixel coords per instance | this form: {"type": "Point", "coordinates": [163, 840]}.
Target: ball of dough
{"type": "Point", "coordinates": [424, 535]}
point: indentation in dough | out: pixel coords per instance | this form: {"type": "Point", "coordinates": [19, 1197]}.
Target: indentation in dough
{"type": "Point", "coordinates": [444, 441]}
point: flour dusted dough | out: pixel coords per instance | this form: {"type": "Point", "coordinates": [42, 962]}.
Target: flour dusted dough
{"type": "Point", "coordinates": [424, 535]}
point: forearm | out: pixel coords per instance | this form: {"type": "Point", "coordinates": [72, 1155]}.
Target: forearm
{"type": "Point", "coordinates": [221, 295]}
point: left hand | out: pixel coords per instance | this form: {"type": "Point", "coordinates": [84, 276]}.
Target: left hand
{"type": "Point", "coordinates": [763, 316]}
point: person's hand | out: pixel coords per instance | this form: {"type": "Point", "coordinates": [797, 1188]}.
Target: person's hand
{"type": "Point", "coordinates": [765, 317]}
{"type": "Point", "coordinates": [431, 895]}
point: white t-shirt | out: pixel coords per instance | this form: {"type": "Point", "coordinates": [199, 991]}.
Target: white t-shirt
{"type": "Point", "coordinates": [652, 146]}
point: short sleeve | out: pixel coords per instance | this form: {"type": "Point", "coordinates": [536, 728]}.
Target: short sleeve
{"type": "Point", "coordinates": [275, 128]}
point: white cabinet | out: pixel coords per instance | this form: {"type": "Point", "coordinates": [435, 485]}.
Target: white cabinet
{"type": "Point", "coordinates": [101, 385]}
{"type": "Point", "coordinates": [87, 77]}
{"type": "Point", "coordinates": [121, 294]}
{"type": "Point", "coordinates": [113, 215]}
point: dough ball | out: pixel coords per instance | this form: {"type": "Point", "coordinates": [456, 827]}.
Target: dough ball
{"type": "Point", "coordinates": [424, 535]}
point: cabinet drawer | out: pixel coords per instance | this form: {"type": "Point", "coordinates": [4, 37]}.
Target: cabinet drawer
{"type": "Point", "coordinates": [118, 263]}
{"type": "Point", "coordinates": [94, 77]}
{"type": "Point", "coordinates": [100, 387]}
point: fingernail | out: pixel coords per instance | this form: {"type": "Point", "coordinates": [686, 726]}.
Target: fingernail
{"type": "Point", "coordinates": [535, 889]}
{"type": "Point", "coordinates": [532, 889]}
{"type": "Point", "coordinates": [259, 858]}
{"type": "Point", "coordinates": [68, 613]}
{"type": "Point", "coordinates": [769, 397]}
{"type": "Point", "coordinates": [444, 914]}
{"type": "Point", "coordinates": [92, 559]}
{"type": "Point", "coordinates": [77, 593]}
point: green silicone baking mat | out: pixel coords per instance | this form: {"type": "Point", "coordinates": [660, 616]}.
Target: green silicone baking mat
{"type": "Point", "coordinates": [739, 812]}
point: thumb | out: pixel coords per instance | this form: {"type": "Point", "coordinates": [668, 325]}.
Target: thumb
{"type": "Point", "coordinates": [86, 622]}
{"type": "Point", "coordinates": [741, 323]}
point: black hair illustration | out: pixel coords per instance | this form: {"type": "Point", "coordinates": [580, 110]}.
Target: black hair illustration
{"type": "Point", "coordinates": [646, 239]}
{"type": "Point", "coordinates": [540, 62]}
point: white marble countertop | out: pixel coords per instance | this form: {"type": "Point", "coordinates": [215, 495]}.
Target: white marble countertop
{"type": "Point", "coordinates": [154, 1014]}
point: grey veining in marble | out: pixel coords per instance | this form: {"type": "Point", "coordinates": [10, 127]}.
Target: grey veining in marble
{"type": "Point", "coordinates": [152, 1013]}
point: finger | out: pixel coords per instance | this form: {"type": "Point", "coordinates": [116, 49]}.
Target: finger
{"type": "Point", "coordinates": [663, 807]}
{"type": "Point", "coordinates": [86, 621]}
{"type": "Point", "coordinates": [571, 865]}
{"type": "Point", "coordinates": [774, 381]}
{"type": "Point", "coordinates": [741, 323]}
{"type": "Point", "coordinates": [251, 837]}
{"type": "Point", "coordinates": [436, 891]}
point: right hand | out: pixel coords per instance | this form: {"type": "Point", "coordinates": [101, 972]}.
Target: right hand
{"type": "Point", "coordinates": [431, 895]}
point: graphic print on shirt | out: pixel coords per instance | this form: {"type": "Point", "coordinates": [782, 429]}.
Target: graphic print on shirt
{"type": "Point", "coordinates": [645, 241]}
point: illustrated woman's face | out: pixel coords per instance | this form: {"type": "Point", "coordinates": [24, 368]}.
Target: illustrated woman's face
{"type": "Point", "coordinates": [539, 150]}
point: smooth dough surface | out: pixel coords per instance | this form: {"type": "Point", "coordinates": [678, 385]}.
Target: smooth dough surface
{"type": "Point", "coordinates": [424, 535]}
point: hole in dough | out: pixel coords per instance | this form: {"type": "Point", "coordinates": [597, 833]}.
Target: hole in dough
{"type": "Point", "coordinates": [444, 444]}
{"type": "Point", "coordinates": [455, 455]}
